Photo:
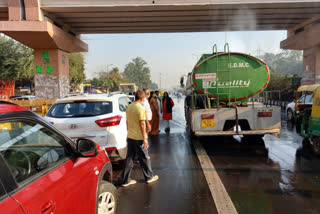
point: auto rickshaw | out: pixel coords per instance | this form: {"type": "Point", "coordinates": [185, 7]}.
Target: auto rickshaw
{"type": "Point", "coordinates": [307, 113]}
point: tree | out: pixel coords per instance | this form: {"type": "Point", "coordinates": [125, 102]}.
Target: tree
{"type": "Point", "coordinates": [288, 62]}
{"type": "Point", "coordinates": [16, 60]}
{"type": "Point", "coordinates": [76, 69]}
{"type": "Point", "coordinates": [137, 72]}
{"type": "Point", "coordinates": [154, 86]}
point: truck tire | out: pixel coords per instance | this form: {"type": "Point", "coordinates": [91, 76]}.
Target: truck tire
{"type": "Point", "coordinates": [108, 198]}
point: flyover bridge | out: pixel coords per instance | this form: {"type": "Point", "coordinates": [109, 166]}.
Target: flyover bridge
{"type": "Point", "coordinates": [54, 26]}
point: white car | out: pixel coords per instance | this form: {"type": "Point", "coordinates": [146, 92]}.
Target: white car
{"type": "Point", "coordinates": [290, 109]}
{"type": "Point", "coordinates": [97, 117]}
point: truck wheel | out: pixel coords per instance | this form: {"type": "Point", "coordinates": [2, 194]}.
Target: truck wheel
{"type": "Point", "coordinates": [290, 115]}
{"type": "Point", "coordinates": [107, 198]}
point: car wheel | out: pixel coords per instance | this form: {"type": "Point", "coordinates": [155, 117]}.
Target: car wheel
{"type": "Point", "coordinates": [107, 199]}
{"type": "Point", "coordinates": [290, 114]}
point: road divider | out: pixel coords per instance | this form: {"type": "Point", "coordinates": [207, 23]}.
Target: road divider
{"type": "Point", "coordinates": [39, 106]}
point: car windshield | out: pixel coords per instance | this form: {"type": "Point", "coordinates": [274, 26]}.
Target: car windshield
{"type": "Point", "coordinates": [82, 109]}
{"type": "Point", "coordinates": [306, 99]}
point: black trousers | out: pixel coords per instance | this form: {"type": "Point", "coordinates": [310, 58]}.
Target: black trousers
{"type": "Point", "coordinates": [136, 147]}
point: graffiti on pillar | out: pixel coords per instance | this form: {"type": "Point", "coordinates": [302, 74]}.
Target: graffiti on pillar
{"type": "Point", "coordinates": [64, 85]}
{"type": "Point", "coordinates": [46, 86]}
{"type": "Point", "coordinates": [45, 55]}
{"type": "Point", "coordinates": [49, 69]}
{"type": "Point", "coordinates": [39, 69]}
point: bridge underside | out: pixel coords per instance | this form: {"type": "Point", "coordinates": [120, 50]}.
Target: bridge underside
{"type": "Point", "coordinates": [97, 16]}
{"type": "Point", "coordinates": [181, 17]}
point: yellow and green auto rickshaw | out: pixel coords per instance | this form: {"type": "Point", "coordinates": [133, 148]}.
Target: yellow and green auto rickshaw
{"type": "Point", "coordinates": [307, 113]}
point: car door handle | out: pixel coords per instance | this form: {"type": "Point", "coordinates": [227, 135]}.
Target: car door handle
{"type": "Point", "coordinates": [48, 208]}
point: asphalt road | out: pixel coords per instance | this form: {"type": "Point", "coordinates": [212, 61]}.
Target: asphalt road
{"type": "Point", "coordinates": [267, 177]}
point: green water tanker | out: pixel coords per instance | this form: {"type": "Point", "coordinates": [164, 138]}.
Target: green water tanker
{"type": "Point", "coordinates": [218, 89]}
{"type": "Point", "coordinates": [229, 76]}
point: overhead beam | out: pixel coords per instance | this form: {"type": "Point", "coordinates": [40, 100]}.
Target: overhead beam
{"type": "Point", "coordinates": [185, 30]}
{"type": "Point", "coordinates": [96, 6]}
{"type": "Point", "coordinates": [285, 12]}
{"type": "Point", "coordinates": [176, 23]}
{"type": "Point", "coordinates": [40, 35]}
{"type": "Point", "coordinates": [176, 18]}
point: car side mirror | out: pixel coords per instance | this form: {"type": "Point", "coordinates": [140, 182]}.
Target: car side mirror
{"type": "Point", "coordinates": [86, 148]}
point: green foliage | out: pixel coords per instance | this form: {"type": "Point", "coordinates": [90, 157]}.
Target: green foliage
{"type": "Point", "coordinates": [288, 62]}
{"type": "Point", "coordinates": [278, 81]}
{"type": "Point", "coordinates": [16, 60]}
{"type": "Point", "coordinates": [154, 86]}
{"type": "Point", "coordinates": [76, 69]}
{"type": "Point", "coordinates": [109, 79]}
{"type": "Point", "coordinates": [135, 72]}
{"type": "Point", "coordinates": [138, 72]}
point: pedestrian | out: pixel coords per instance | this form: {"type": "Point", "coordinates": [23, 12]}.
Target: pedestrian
{"type": "Point", "coordinates": [159, 101]}
{"type": "Point", "coordinates": [155, 114]}
{"type": "Point", "coordinates": [167, 103]}
{"type": "Point", "coordinates": [137, 142]}
{"type": "Point", "coordinates": [145, 104]}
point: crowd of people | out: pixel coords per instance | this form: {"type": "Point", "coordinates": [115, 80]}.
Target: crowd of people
{"type": "Point", "coordinates": [143, 119]}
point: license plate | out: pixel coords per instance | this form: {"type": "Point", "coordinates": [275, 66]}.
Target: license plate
{"type": "Point", "coordinates": [207, 123]}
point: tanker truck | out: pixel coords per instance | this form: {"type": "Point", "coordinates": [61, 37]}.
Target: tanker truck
{"type": "Point", "coordinates": [221, 88]}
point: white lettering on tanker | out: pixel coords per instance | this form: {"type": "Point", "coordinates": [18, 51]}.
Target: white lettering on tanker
{"type": "Point", "coordinates": [226, 84]}
{"type": "Point", "coordinates": [207, 76]}
{"type": "Point", "coordinates": [238, 65]}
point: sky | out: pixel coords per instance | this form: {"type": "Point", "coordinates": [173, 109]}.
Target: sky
{"type": "Point", "coordinates": [171, 54]}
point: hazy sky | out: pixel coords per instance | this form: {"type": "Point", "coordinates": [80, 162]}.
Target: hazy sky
{"type": "Point", "coordinates": [171, 54]}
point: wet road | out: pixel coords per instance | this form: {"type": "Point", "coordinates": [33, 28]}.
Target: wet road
{"type": "Point", "coordinates": [267, 177]}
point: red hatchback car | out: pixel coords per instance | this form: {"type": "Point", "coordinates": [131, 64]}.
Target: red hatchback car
{"type": "Point", "coordinates": [43, 171]}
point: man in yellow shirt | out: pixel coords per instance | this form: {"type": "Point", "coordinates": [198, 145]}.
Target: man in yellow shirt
{"type": "Point", "coordinates": [137, 142]}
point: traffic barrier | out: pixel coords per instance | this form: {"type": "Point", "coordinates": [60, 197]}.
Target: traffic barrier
{"type": "Point", "coordinates": [39, 106]}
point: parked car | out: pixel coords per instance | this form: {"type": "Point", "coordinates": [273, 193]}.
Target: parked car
{"type": "Point", "coordinates": [290, 109]}
{"type": "Point", "coordinates": [43, 171]}
{"type": "Point", "coordinates": [98, 117]}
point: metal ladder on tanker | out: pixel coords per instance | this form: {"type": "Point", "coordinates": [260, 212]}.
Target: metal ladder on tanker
{"type": "Point", "coordinates": [226, 50]}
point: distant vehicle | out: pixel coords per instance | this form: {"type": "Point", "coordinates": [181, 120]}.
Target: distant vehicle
{"type": "Point", "coordinates": [128, 88]}
{"type": "Point", "coordinates": [290, 109]}
{"type": "Point", "coordinates": [43, 171]}
{"type": "Point", "coordinates": [24, 97]}
{"type": "Point", "coordinates": [97, 117]}
{"type": "Point", "coordinates": [219, 87]}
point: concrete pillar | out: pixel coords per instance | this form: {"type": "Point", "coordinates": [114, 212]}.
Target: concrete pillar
{"type": "Point", "coordinates": [305, 36]}
{"type": "Point", "coordinates": [311, 66]}
{"type": "Point", "coordinates": [52, 73]}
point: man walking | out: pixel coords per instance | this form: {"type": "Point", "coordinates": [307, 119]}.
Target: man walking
{"type": "Point", "coordinates": [137, 142]}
